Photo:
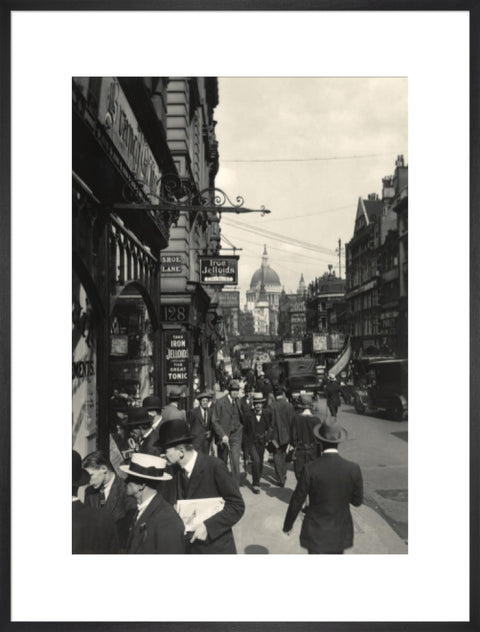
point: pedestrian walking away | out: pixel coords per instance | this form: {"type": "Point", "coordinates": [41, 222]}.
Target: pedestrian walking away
{"type": "Point", "coordinates": [156, 526]}
{"type": "Point", "coordinates": [282, 422]}
{"type": "Point", "coordinates": [258, 429]}
{"type": "Point", "coordinates": [199, 476]}
{"type": "Point", "coordinates": [332, 392]}
{"type": "Point", "coordinates": [172, 409]}
{"type": "Point", "coordinates": [153, 406]}
{"type": "Point", "coordinates": [303, 437]}
{"type": "Point", "coordinates": [331, 484]}
{"type": "Point", "coordinates": [226, 421]}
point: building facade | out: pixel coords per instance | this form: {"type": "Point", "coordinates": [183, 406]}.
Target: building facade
{"type": "Point", "coordinates": [263, 298]}
{"type": "Point", "coordinates": [138, 141]}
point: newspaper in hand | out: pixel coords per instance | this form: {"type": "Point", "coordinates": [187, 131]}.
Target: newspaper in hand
{"type": "Point", "coordinates": [194, 511]}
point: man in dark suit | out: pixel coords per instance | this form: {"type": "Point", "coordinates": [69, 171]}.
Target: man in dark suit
{"type": "Point", "coordinates": [303, 437]}
{"type": "Point", "coordinates": [246, 405]}
{"type": "Point", "coordinates": [153, 406]}
{"type": "Point", "coordinates": [156, 527]}
{"type": "Point", "coordinates": [332, 485]}
{"type": "Point", "coordinates": [172, 409]}
{"type": "Point", "coordinates": [282, 420]}
{"type": "Point", "coordinates": [107, 492]}
{"type": "Point", "coordinates": [332, 392]}
{"type": "Point", "coordinates": [200, 422]}
{"type": "Point", "coordinates": [258, 426]}
{"type": "Point", "coordinates": [93, 530]}
{"type": "Point", "coordinates": [200, 476]}
{"type": "Point", "coordinates": [228, 428]}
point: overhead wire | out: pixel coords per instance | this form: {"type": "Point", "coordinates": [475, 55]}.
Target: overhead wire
{"type": "Point", "coordinates": [313, 159]}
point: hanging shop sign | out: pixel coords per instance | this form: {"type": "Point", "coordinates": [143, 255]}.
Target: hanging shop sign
{"type": "Point", "coordinates": [176, 358]}
{"type": "Point", "coordinates": [319, 342]}
{"type": "Point", "coordinates": [229, 299]}
{"type": "Point", "coordinates": [219, 270]}
{"type": "Point", "coordinates": [171, 264]}
{"type": "Point", "coordinates": [122, 127]}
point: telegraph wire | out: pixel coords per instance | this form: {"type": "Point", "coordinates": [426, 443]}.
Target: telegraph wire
{"type": "Point", "coordinates": [314, 159]}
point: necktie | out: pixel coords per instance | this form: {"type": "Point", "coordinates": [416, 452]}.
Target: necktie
{"type": "Point", "coordinates": [184, 480]}
{"type": "Point", "coordinates": [204, 417]}
{"type": "Point", "coordinates": [103, 500]}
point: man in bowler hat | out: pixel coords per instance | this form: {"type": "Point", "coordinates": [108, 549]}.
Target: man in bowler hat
{"type": "Point", "coordinates": [202, 476]}
{"type": "Point", "coordinates": [200, 422]}
{"type": "Point", "coordinates": [172, 410]}
{"type": "Point", "coordinates": [226, 420]}
{"type": "Point", "coordinates": [282, 420]}
{"type": "Point", "coordinates": [332, 484]}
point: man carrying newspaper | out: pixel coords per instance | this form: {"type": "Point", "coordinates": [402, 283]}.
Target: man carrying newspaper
{"type": "Point", "coordinates": [209, 500]}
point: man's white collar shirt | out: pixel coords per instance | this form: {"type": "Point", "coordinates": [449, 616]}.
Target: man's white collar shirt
{"type": "Point", "coordinates": [108, 486]}
{"type": "Point", "coordinates": [330, 450]}
{"type": "Point", "coordinates": [188, 468]}
{"type": "Point", "coordinates": [142, 506]}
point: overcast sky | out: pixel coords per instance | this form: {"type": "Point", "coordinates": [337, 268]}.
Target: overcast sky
{"type": "Point", "coordinates": [306, 149]}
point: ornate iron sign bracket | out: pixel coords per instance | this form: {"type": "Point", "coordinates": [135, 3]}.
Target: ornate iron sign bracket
{"type": "Point", "coordinates": [176, 196]}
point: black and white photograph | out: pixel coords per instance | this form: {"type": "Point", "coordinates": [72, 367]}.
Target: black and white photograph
{"type": "Point", "coordinates": [259, 353]}
{"type": "Point", "coordinates": [260, 222]}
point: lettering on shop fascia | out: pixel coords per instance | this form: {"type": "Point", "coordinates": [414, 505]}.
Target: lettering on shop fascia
{"type": "Point", "coordinates": [83, 369]}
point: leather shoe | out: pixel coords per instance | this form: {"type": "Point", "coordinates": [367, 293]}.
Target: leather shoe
{"type": "Point", "coordinates": [255, 489]}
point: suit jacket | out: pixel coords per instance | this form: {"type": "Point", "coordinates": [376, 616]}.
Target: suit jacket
{"type": "Point", "coordinates": [199, 429]}
{"type": "Point", "coordinates": [332, 484]}
{"type": "Point", "coordinates": [158, 530]}
{"type": "Point", "coordinates": [210, 478]}
{"type": "Point", "coordinates": [171, 411]}
{"type": "Point", "coordinates": [253, 428]}
{"type": "Point", "coordinates": [118, 504]}
{"type": "Point", "coordinates": [226, 417]}
{"type": "Point", "coordinates": [93, 530]}
{"type": "Point", "coordinates": [282, 415]}
{"type": "Point", "coordinates": [244, 408]}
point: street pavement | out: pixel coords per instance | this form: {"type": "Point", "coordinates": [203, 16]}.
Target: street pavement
{"type": "Point", "coordinates": [260, 529]}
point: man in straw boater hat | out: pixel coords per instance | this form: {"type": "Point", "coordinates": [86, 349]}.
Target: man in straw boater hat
{"type": "Point", "coordinates": [156, 527]}
{"type": "Point", "coordinates": [258, 428]}
{"type": "Point", "coordinates": [332, 484]}
{"type": "Point", "coordinates": [199, 476]}
{"type": "Point", "coordinates": [200, 421]}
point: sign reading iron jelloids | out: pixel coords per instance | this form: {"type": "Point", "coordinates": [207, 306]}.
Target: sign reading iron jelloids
{"type": "Point", "coordinates": [219, 270]}
{"type": "Point", "coordinates": [176, 358]}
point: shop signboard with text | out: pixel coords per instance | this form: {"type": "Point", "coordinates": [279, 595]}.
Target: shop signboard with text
{"type": "Point", "coordinates": [229, 300]}
{"type": "Point", "coordinates": [219, 270]}
{"type": "Point", "coordinates": [176, 357]}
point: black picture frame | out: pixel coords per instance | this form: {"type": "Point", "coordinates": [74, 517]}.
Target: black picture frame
{"type": "Point", "coordinates": [5, 318]}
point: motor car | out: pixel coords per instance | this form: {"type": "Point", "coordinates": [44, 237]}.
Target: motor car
{"type": "Point", "coordinates": [386, 389]}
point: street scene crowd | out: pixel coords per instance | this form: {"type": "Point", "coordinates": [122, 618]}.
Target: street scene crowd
{"type": "Point", "coordinates": [178, 490]}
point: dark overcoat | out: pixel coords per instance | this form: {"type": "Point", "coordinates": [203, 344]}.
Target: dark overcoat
{"type": "Point", "coordinates": [226, 417]}
{"type": "Point", "coordinates": [210, 478]}
{"type": "Point", "coordinates": [282, 421]}
{"type": "Point", "coordinates": [201, 431]}
{"type": "Point", "coordinates": [159, 529]}
{"type": "Point", "coordinates": [93, 530]}
{"type": "Point", "coordinates": [332, 484]}
{"type": "Point", "coordinates": [254, 430]}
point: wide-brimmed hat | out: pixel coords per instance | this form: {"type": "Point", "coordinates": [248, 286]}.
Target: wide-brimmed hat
{"type": "Point", "coordinates": [175, 392]}
{"type": "Point", "coordinates": [234, 385]}
{"type": "Point", "coordinates": [172, 432]}
{"type": "Point", "coordinates": [147, 466]}
{"type": "Point", "coordinates": [138, 416]}
{"type": "Point", "coordinates": [152, 402]}
{"type": "Point", "coordinates": [330, 432]}
{"type": "Point", "coordinates": [79, 475]}
{"type": "Point", "coordinates": [258, 398]}
{"type": "Point", "coordinates": [304, 401]}
{"type": "Point", "coordinates": [207, 394]}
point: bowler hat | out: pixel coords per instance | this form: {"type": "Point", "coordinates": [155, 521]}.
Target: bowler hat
{"type": "Point", "coordinates": [79, 475]}
{"type": "Point", "coordinates": [147, 466]}
{"type": "Point", "coordinates": [207, 394]}
{"type": "Point", "coordinates": [257, 398]}
{"type": "Point", "coordinates": [152, 402]}
{"type": "Point", "coordinates": [330, 432]}
{"type": "Point", "coordinates": [138, 416]}
{"type": "Point", "coordinates": [304, 401]}
{"type": "Point", "coordinates": [234, 385]}
{"type": "Point", "coordinates": [175, 392]}
{"type": "Point", "coordinates": [172, 432]}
